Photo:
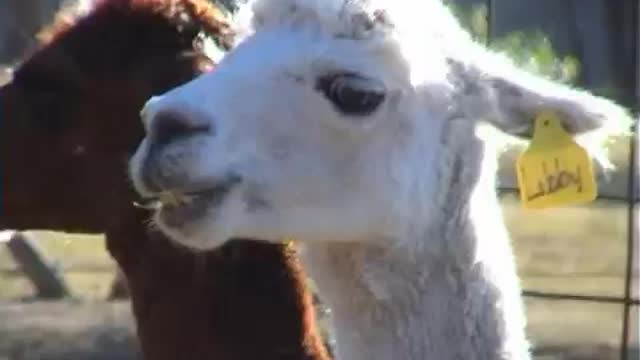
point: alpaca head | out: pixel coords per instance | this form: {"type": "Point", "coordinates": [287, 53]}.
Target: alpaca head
{"type": "Point", "coordinates": [331, 121]}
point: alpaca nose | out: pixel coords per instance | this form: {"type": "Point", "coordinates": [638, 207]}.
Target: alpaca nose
{"type": "Point", "coordinates": [167, 126]}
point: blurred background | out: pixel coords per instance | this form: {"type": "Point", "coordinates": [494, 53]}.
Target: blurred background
{"type": "Point", "coordinates": [573, 261]}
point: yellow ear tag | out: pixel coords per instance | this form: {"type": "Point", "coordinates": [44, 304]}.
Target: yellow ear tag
{"type": "Point", "coordinates": [554, 170]}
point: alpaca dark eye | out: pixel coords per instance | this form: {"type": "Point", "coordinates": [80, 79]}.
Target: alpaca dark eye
{"type": "Point", "coordinates": [352, 94]}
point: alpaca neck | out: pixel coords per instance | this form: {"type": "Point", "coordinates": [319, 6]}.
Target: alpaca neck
{"type": "Point", "coordinates": [460, 302]}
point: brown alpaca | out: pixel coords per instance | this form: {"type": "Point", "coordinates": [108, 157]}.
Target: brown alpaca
{"type": "Point", "coordinates": [70, 123]}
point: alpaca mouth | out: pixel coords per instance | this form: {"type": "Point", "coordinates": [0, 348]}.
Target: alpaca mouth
{"type": "Point", "coordinates": [175, 208]}
{"type": "Point", "coordinates": [190, 206]}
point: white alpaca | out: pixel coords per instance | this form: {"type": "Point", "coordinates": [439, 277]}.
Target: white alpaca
{"type": "Point", "coordinates": [351, 126]}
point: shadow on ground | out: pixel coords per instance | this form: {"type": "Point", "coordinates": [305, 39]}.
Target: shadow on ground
{"type": "Point", "coordinates": [67, 331]}
{"type": "Point", "coordinates": [70, 330]}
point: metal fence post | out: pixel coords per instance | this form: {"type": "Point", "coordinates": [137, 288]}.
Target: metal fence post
{"type": "Point", "coordinates": [632, 190]}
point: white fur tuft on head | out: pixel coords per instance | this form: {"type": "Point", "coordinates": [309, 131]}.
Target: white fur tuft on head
{"type": "Point", "coordinates": [425, 45]}
{"type": "Point", "coordinates": [79, 8]}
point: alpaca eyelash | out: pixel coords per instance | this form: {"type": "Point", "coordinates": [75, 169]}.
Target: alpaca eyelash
{"type": "Point", "coordinates": [352, 94]}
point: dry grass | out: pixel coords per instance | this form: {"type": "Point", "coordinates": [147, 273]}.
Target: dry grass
{"type": "Point", "coordinates": [577, 249]}
{"type": "Point", "coordinates": [67, 331]}
{"type": "Point", "coordinates": [70, 251]}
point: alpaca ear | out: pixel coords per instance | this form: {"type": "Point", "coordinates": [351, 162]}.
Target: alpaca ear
{"type": "Point", "coordinates": [510, 98]}
{"type": "Point", "coordinates": [517, 105]}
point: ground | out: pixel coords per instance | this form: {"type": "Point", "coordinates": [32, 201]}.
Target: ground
{"type": "Point", "coordinates": [579, 249]}
{"type": "Point", "coordinates": [66, 330]}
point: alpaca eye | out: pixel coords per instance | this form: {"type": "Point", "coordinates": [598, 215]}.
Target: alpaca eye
{"type": "Point", "coordinates": [352, 94]}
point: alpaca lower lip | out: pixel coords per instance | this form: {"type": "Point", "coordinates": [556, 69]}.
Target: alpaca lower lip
{"type": "Point", "coordinates": [192, 205]}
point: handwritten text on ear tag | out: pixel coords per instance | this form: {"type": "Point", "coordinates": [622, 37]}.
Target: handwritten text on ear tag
{"type": "Point", "coordinates": [554, 170]}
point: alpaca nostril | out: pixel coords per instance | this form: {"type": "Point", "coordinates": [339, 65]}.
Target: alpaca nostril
{"type": "Point", "coordinates": [168, 126]}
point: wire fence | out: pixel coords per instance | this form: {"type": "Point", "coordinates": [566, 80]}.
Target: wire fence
{"type": "Point", "coordinates": [631, 199]}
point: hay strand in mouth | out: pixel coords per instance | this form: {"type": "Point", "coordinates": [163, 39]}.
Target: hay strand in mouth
{"type": "Point", "coordinates": [164, 198]}
{"type": "Point", "coordinates": [149, 205]}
